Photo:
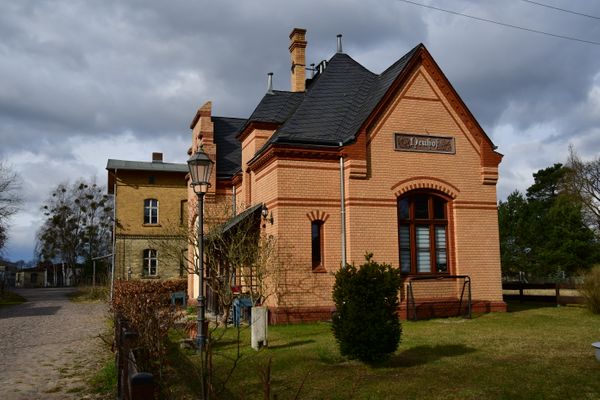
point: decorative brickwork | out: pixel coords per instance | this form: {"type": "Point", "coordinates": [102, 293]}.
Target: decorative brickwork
{"type": "Point", "coordinates": [301, 183]}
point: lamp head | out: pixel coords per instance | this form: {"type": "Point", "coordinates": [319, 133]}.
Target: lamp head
{"type": "Point", "coordinates": [200, 166]}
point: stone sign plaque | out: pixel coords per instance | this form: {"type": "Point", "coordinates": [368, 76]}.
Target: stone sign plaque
{"type": "Point", "coordinates": [424, 143]}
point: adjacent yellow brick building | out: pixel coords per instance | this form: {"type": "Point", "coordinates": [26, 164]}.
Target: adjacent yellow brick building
{"type": "Point", "coordinates": [151, 215]}
{"type": "Point", "coordinates": [418, 173]}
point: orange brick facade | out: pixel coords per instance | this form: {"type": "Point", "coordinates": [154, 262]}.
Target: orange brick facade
{"type": "Point", "coordinates": [303, 185]}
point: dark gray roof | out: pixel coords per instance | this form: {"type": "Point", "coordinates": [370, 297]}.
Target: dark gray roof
{"type": "Point", "coordinates": [338, 102]}
{"type": "Point", "coordinates": [146, 166]}
{"type": "Point", "coordinates": [251, 212]}
{"type": "Point", "coordinates": [276, 107]}
{"type": "Point", "coordinates": [229, 149]}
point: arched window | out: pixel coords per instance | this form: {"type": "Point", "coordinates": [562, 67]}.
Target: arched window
{"type": "Point", "coordinates": [150, 211]}
{"type": "Point", "coordinates": [150, 262]}
{"type": "Point", "coordinates": [423, 234]}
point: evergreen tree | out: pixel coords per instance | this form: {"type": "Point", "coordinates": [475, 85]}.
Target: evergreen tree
{"type": "Point", "coordinates": [366, 324]}
{"type": "Point", "coordinates": [544, 234]}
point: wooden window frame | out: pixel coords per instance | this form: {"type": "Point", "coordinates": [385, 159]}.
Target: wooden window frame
{"type": "Point", "coordinates": [431, 222]}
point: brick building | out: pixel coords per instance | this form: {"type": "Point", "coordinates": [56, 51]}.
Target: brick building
{"type": "Point", "coordinates": [151, 213]}
{"type": "Point", "coordinates": [417, 171]}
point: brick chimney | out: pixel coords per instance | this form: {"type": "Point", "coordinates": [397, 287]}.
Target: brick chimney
{"type": "Point", "coordinates": [298, 56]}
{"type": "Point", "coordinates": [203, 137]}
{"type": "Point", "coordinates": [157, 157]}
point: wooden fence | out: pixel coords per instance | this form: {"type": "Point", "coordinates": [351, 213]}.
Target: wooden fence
{"type": "Point", "coordinates": [555, 295]}
{"type": "Point", "coordinates": [131, 383]}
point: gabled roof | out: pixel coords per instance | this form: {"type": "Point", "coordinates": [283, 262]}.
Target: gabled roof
{"type": "Point", "coordinates": [276, 107]}
{"type": "Point", "coordinates": [146, 166]}
{"type": "Point", "coordinates": [335, 105]}
{"type": "Point", "coordinates": [329, 104]}
{"type": "Point", "coordinates": [229, 149]}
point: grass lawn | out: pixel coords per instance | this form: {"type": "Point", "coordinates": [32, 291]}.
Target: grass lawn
{"type": "Point", "coordinates": [10, 298]}
{"type": "Point", "coordinates": [527, 353]}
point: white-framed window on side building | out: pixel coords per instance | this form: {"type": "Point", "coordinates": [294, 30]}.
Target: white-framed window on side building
{"type": "Point", "coordinates": [150, 212]}
{"type": "Point", "coordinates": [150, 262]}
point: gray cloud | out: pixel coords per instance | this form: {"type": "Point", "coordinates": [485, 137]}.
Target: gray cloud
{"type": "Point", "coordinates": [86, 81]}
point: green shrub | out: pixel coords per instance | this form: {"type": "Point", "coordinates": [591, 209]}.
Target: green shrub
{"type": "Point", "coordinates": [590, 289]}
{"type": "Point", "coordinates": [366, 324]}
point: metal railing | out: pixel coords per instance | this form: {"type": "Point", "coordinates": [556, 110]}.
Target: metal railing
{"type": "Point", "coordinates": [441, 298]}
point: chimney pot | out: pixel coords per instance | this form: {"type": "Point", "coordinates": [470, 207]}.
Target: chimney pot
{"type": "Point", "coordinates": [270, 83]}
{"type": "Point", "coordinates": [157, 157]}
{"type": "Point", "coordinates": [339, 43]}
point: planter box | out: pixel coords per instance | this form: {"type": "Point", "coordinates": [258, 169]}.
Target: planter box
{"type": "Point", "coordinates": [597, 347]}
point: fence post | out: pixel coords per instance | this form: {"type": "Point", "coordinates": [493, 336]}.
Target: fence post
{"type": "Point", "coordinates": [520, 292]}
{"type": "Point", "coordinates": [557, 294]}
{"type": "Point", "coordinates": [142, 386]}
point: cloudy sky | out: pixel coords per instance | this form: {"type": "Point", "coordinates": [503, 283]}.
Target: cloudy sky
{"type": "Point", "coordinates": [84, 81]}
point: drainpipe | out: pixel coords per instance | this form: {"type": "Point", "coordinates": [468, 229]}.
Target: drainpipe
{"type": "Point", "coordinates": [233, 205]}
{"type": "Point", "coordinates": [343, 207]}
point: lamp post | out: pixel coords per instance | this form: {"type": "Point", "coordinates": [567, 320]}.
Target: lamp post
{"type": "Point", "coordinates": [200, 166]}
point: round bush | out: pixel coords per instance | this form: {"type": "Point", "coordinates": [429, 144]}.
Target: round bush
{"type": "Point", "coordinates": [366, 324]}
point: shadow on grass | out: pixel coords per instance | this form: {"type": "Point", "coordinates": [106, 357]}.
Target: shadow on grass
{"type": "Point", "coordinates": [291, 344]}
{"type": "Point", "coordinates": [424, 354]}
{"type": "Point", "coordinates": [517, 306]}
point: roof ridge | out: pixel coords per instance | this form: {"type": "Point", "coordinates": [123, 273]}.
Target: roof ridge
{"type": "Point", "coordinates": [217, 116]}
{"type": "Point", "coordinates": [401, 59]}
{"type": "Point", "coordinates": [354, 61]}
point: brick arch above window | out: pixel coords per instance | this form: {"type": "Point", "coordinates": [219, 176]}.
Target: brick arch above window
{"type": "Point", "coordinates": [317, 215]}
{"type": "Point", "coordinates": [425, 183]}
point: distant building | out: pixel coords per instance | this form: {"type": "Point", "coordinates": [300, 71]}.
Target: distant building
{"type": "Point", "coordinates": [151, 211]}
{"type": "Point", "coordinates": [8, 273]}
{"type": "Point", "coordinates": [47, 274]}
{"type": "Point", "coordinates": [418, 171]}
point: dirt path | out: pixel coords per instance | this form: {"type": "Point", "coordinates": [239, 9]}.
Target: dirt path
{"type": "Point", "coordinates": [48, 345]}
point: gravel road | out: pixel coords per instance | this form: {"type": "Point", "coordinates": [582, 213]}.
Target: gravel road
{"type": "Point", "coordinates": [49, 345]}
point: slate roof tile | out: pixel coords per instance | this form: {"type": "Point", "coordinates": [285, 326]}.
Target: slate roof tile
{"type": "Point", "coordinates": [229, 149]}
{"type": "Point", "coordinates": [337, 103]}
{"type": "Point", "coordinates": [276, 107]}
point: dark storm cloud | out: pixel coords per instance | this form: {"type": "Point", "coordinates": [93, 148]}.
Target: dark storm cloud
{"type": "Point", "coordinates": [88, 68]}
{"type": "Point", "coordinates": [83, 81]}
{"type": "Point", "coordinates": [510, 75]}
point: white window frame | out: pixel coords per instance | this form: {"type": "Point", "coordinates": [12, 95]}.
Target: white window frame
{"type": "Point", "coordinates": [151, 205]}
{"type": "Point", "coordinates": [150, 255]}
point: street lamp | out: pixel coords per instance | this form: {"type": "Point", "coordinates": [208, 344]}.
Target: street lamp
{"type": "Point", "coordinates": [200, 166]}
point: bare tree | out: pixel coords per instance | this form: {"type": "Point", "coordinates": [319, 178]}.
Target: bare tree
{"type": "Point", "coordinates": [239, 258]}
{"type": "Point", "coordinates": [77, 225]}
{"type": "Point", "coordinates": [10, 198]}
{"type": "Point", "coordinates": [583, 181]}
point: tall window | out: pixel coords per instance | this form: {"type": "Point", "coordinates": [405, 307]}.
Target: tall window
{"type": "Point", "coordinates": [150, 211]}
{"type": "Point", "coordinates": [150, 262]}
{"type": "Point", "coordinates": [316, 229]}
{"type": "Point", "coordinates": [422, 234]}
